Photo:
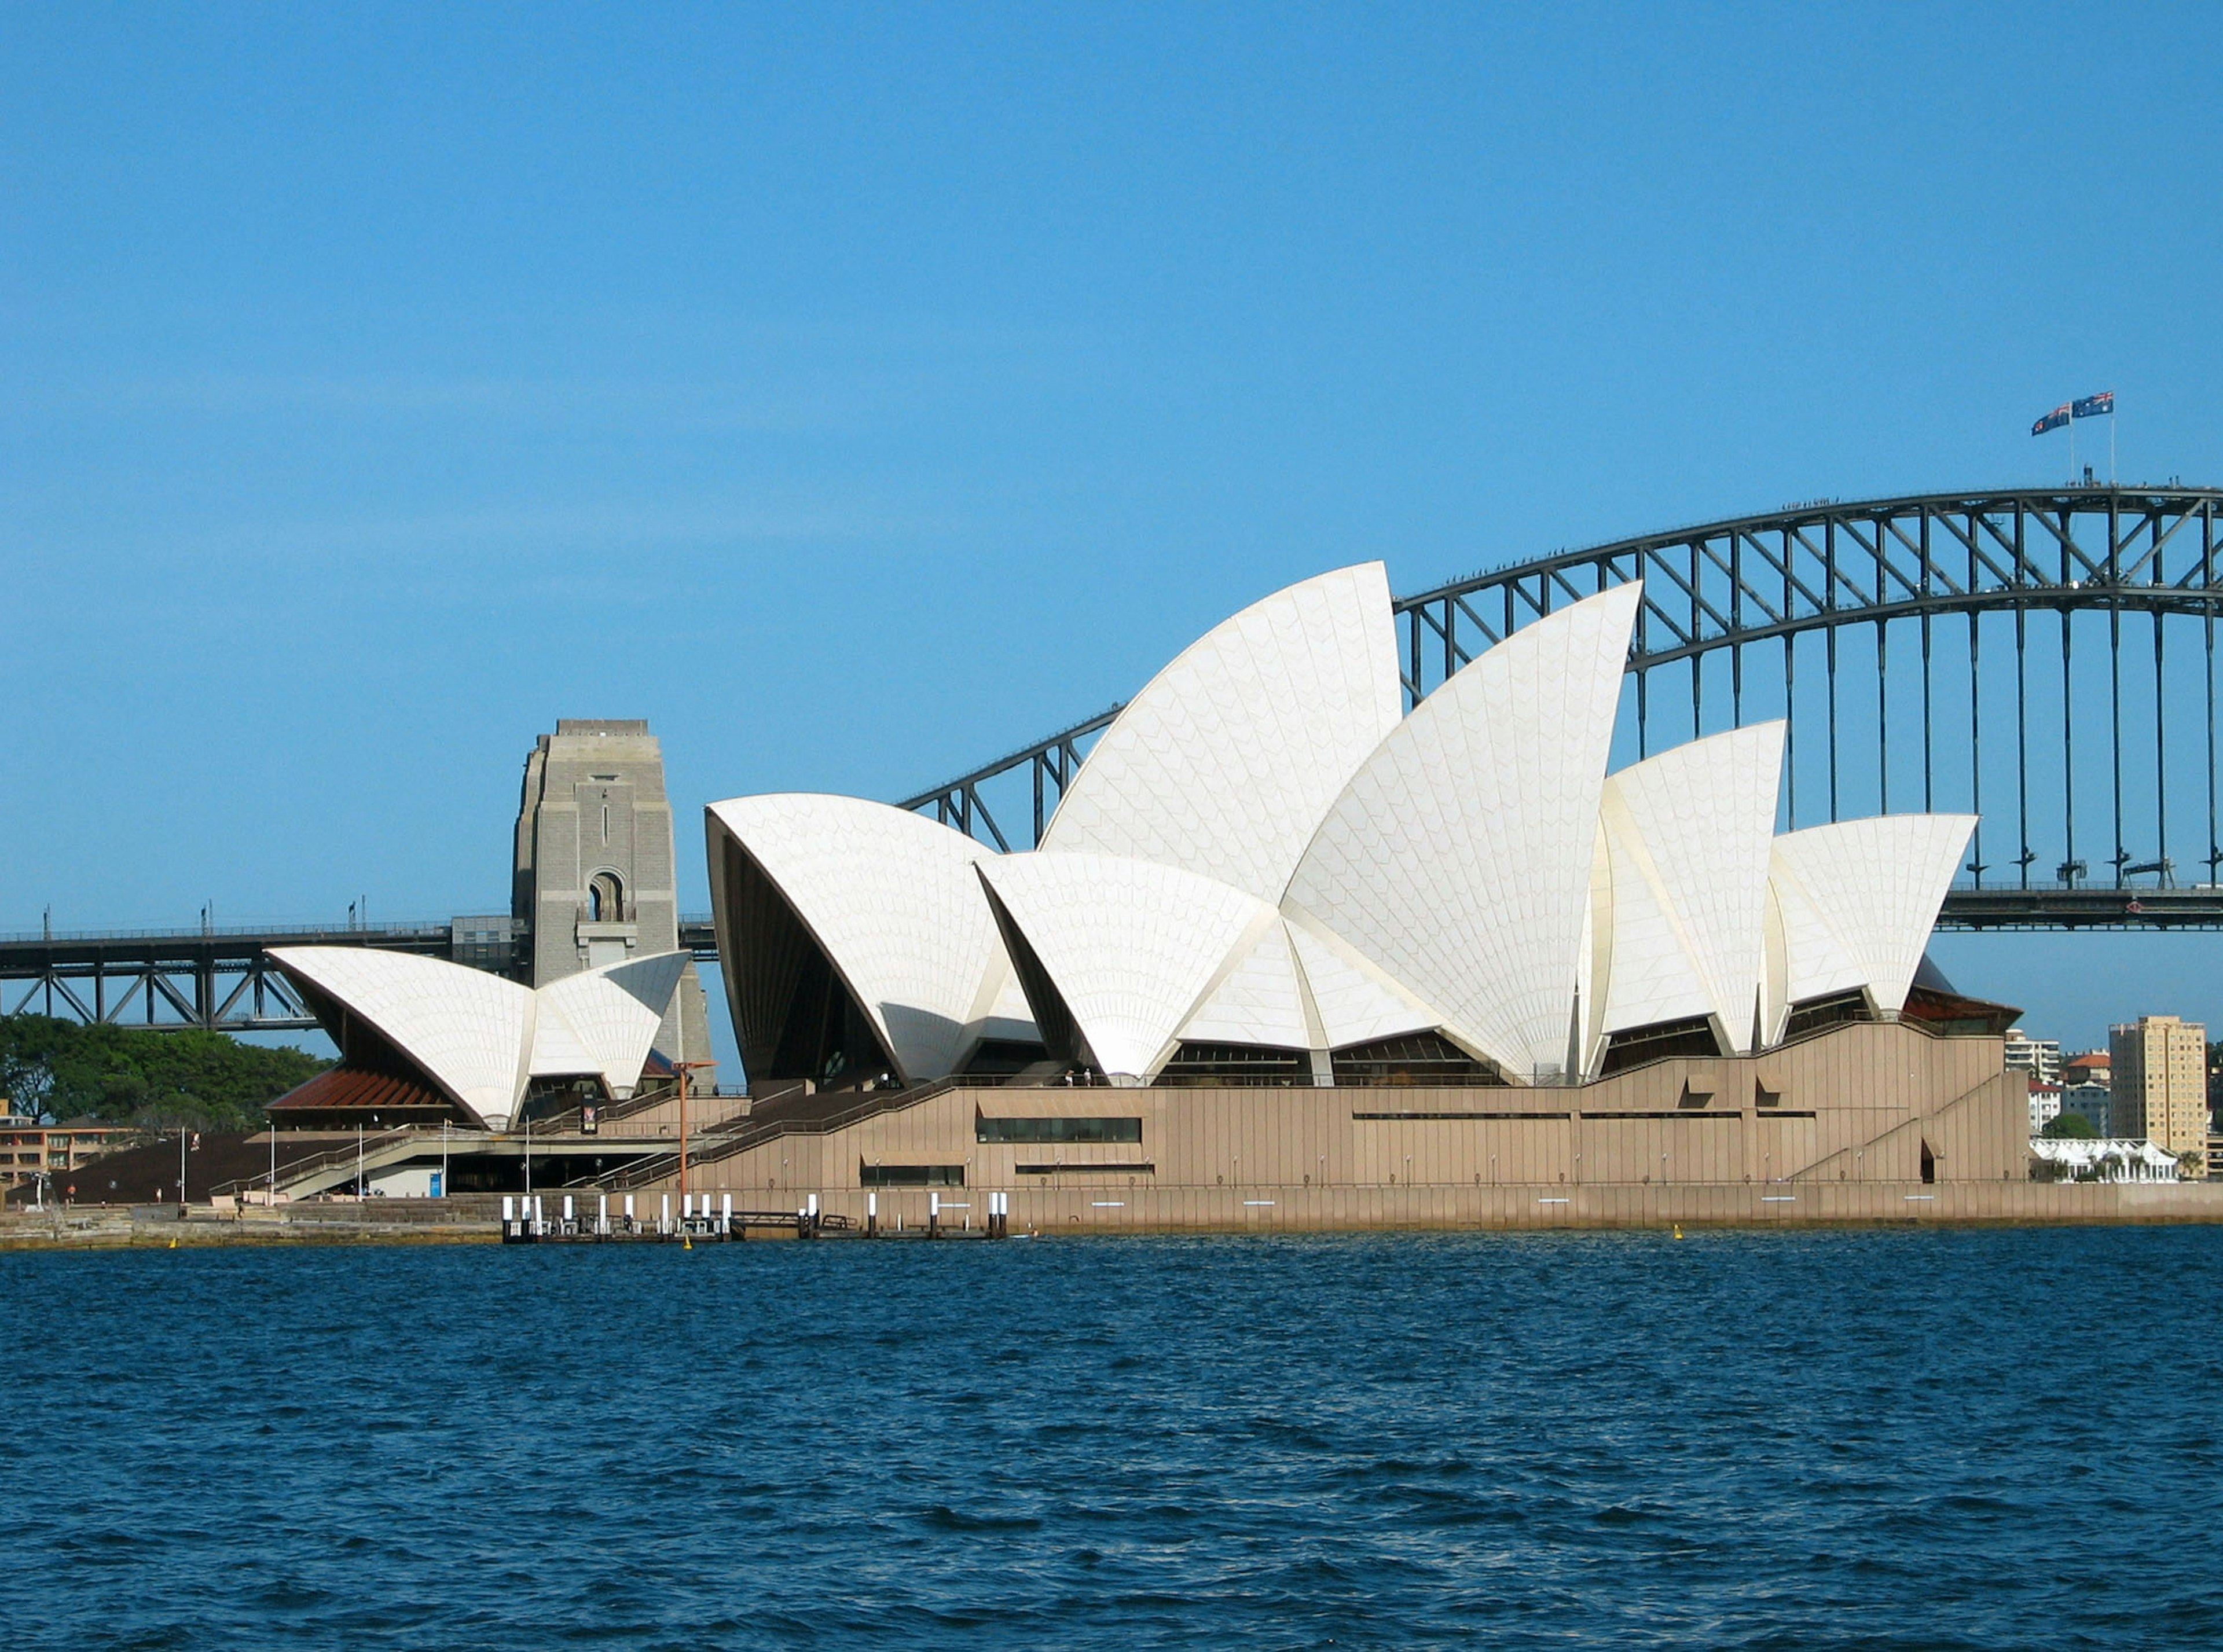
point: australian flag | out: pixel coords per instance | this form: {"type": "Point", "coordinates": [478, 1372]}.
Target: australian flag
{"type": "Point", "coordinates": [2052, 421]}
{"type": "Point", "coordinates": [2093, 406]}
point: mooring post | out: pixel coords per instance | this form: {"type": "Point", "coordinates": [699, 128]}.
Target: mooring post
{"type": "Point", "coordinates": [664, 1220]}
{"type": "Point", "coordinates": [872, 1215]}
{"type": "Point", "coordinates": [725, 1216]}
{"type": "Point", "coordinates": [933, 1216]}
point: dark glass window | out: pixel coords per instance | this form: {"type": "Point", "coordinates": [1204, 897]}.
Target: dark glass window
{"type": "Point", "coordinates": [1236, 1064]}
{"type": "Point", "coordinates": [1815, 1014]}
{"type": "Point", "coordinates": [1416, 1058]}
{"type": "Point", "coordinates": [1039, 1130]}
{"type": "Point", "coordinates": [912, 1175]}
{"type": "Point", "coordinates": [1638, 1044]}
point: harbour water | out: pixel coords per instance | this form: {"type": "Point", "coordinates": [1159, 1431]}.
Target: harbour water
{"type": "Point", "coordinates": [2000, 1438]}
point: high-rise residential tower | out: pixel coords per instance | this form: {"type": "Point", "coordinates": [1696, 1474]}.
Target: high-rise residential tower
{"type": "Point", "coordinates": [595, 880]}
{"type": "Point", "coordinates": [2159, 1089]}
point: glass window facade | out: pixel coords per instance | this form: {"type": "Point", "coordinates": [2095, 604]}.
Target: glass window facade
{"type": "Point", "coordinates": [911, 1176]}
{"type": "Point", "coordinates": [1043, 1130]}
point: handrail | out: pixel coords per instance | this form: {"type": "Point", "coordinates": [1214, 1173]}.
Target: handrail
{"type": "Point", "coordinates": [334, 1159]}
{"type": "Point", "coordinates": [754, 1131]}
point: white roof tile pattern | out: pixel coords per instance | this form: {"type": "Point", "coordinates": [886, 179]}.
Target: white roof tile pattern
{"type": "Point", "coordinates": [1458, 858]}
{"type": "Point", "coordinates": [1131, 945]}
{"type": "Point", "coordinates": [1261, 1002]}
{"type": "Point", "coordinates": [1689, 834]}
{"type": "Point", "coordinates": [1876, 884]}
{"type": "Point", "coordinates": [892, 898]}
{"type": "Point", "coordinates": [1353, 1002]}
{"type": "Point", "coordinates": [1225, 762]}
{"type": "Point", "coordinates": [469, 1031]}
{"type": "Point", "coordinates": [607, 1018]}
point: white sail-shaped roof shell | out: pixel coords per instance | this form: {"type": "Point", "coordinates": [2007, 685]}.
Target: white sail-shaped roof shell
{"type": "Point", "coordinates": [604, 1021]}
{"type": "Point", "coordinates": [1132, 947]}
{"type": "Point", "coordinates": [1688, 836]}
{"type": "Point", "coordinates": [1353, 1003]}
{"type": "Point", "coordinates": [1457, 860]}
{"type": "Point", "coordinates": [1224, 764]}
{"type": "Point", "coordinates": [469, 1031]}
{"type": "Point", "coordinates": [1260, 1001]}
{"type": "Point", "coordinates": [1872, 889]}
{"type": "Point", "coordinates": [891, 899]}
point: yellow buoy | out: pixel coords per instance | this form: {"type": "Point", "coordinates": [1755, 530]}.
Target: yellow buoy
{"type": "Point", "coordinates": [1678, 1230]}
{"type": "Point", "coordinates": [173, 1244]}
{"type": "Point", "coordinates": [686, 1244]}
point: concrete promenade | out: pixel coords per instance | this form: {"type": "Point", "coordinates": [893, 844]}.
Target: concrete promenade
{"type": "Point", "coordinates": [1050, 1212]}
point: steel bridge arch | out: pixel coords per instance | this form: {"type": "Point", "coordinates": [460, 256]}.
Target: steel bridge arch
{"type": "Point", "coordinates": [1940, 565]}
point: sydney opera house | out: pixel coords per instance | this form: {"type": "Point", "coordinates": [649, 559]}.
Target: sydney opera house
{"type": "Point", "coordinates": [1286, 947]}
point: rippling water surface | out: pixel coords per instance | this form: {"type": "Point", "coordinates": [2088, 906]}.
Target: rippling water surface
{"type": "Point", "coordinates": [1878, 1440]}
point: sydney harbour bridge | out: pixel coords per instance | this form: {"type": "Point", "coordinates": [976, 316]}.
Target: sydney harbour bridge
{"type": "Point", "coordinates": [2044, 659]}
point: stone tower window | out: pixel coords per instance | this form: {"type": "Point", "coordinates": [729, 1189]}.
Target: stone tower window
{"type": "Point", "coordinates": [605, 899]}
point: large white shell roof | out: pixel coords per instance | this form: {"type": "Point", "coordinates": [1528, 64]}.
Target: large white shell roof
{"type": "Point", "coordinates": [1225, 762]}
{"type": "Point", "coordinates": [892, 898]}
{"type": "Point", "coordinates": [1457, 860]}
{"type": "Point", "coordinates": [1260, 850]}
{"type": "Point", "coordinates": [470, 1032]}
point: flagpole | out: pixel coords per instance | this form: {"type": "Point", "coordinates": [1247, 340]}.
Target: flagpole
{"type": "Point", "coordinates": [2072, 446]}
{"type": "Point", "coordinates": [2111, 444]}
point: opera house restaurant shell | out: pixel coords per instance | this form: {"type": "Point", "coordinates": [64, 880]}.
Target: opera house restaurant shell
{"type": "Point", "coordinates": [1289, 953]}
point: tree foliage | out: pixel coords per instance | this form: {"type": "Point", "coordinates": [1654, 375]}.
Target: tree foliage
{"type": "Point", "coordinates": [121, 1075]}
{"type": "Point", "coordinates": [2070, 1126]}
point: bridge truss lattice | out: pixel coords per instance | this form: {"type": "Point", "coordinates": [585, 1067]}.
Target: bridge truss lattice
{"type": "Point", "coordinates": [2044, 659]}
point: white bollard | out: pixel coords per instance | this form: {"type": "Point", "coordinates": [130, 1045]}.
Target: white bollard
{"type": "Point", "coordinates": [567, 1210]}
{"type": "Point", "coordinates": [814, 1204]}
{"type": "Point", "coordinates": [686, 1207]}
{"type": "Point", "coordinates": [664, 1222]}
{"type": "Point", "coordinates": [726, 1208]}
{"type": "Point", "coordinates": [539, 1215]}
{"type": "Point", "coordinates": [628, 1207]}
{"type": "Point", "coordinates": [508, 1209]}
{"type": "Point", "coordinates": [872, 1204]}
{"type": "Point", "coordinates": [933, 1209]}
{"type": "Point", "coordinates": [602, 1215]}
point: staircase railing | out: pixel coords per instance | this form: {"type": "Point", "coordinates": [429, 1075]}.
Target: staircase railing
{"type": "Point", "coordinates": [738, 1135]}
{"type": "Point", "coordinates": [337, 1159]}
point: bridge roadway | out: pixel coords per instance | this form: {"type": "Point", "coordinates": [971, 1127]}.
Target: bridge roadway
{"type": "Point", "coordinates": [219, 979]}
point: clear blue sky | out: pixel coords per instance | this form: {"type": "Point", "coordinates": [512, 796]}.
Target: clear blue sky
{"type": "Point", "coordinates": [859, 393]}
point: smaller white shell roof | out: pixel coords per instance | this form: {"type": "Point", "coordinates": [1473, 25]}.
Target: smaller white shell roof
{"type": "Point", "coordinates": [1131, 946]}
{"type": "Point", "coordinates": [603, 1021]}
{"type": "Point", "coordinates": [1225, 763]}
{"type": "Point", "coordinates": [1690, 833]}
{"type": "Point", "coordinates": [1874, 886]}
{"type": "Point", "coordinates": [892, 898]}
{"type": "Point", "coordinates": [470, 1032]}
{"type": "Point", "coordinates": [1354, 1002]}
{"type": "Point", "coordinates": [1261, 1002]}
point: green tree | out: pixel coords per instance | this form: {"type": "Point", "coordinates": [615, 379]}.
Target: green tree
{"type": "Point", "coordinates": [2069, 1127]}
{"type": "Point", "coordinates": [121, 1075]}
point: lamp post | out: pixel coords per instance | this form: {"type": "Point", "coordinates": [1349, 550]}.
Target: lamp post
{"type": "Point", "coordinates": [683, 1068]}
